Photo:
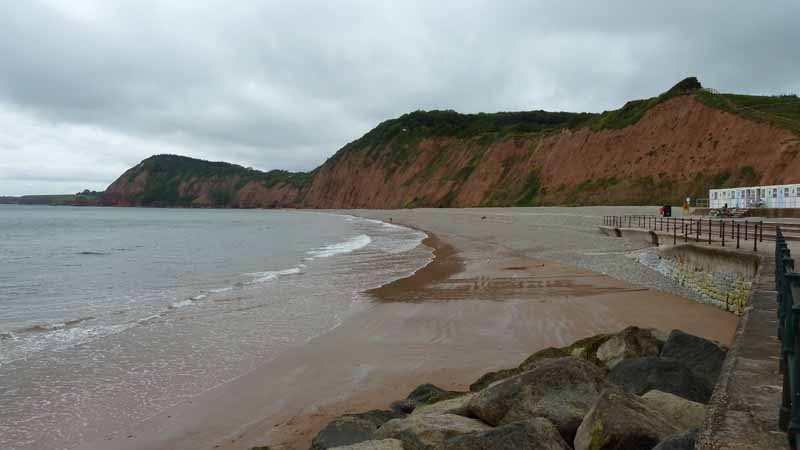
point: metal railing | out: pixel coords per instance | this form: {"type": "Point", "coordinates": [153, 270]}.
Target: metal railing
{"type": "Point", "coordinates": [726, 232]}
{"type": "Point", "coordinates": [787, 284]}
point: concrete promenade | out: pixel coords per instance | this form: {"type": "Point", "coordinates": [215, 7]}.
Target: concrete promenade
{"type": "Point", "coordinates": [743, 412]}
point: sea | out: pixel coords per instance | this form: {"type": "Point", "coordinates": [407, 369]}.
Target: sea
{"type": "Point", "coordinates": [110, 315]}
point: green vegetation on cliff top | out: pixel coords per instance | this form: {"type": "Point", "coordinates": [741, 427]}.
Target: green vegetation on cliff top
{"type": "Point", "coordinates": [782, 111]}
{"type": "Point", "coordinates": [167, 172]}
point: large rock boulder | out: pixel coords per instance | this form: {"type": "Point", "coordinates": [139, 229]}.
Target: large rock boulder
{"type": "Point", "coordinates": [428, 393]}
{"type": "Point", "coordinates": [702, 356]}
{"type": "Point", "coordinates": [529, 363]}
{"type": "Point", "coordinates": [641, 375]}
{"type": "Point", "coordinates": [561, 390]}
{"type": "Point", "coordinates": [423, 432]}
{"type": "Point", "coordinates": [384, 444]}
{"type": "Point", "coordinates": [622, 421]}
{"type": "Point", "coordinates": [424, 394]}
{"type": "Point", "coordinates": [351, 429]}
{"type": "Point", "coordinates": [586, 348]}
{"type": "Point", "coordinates": [632, 342]}
{"type": "Point", "coordinates": [684, 413]}
{"type": "Point", "coordinates": [536, 434]}
{"type": "Point", "coordinates": [458, 406]}
{"type": "Point", "coordinates": [680, 441]}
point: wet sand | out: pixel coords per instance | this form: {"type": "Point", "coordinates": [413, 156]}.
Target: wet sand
{"type": "Point", "coordinates": [479, 306]}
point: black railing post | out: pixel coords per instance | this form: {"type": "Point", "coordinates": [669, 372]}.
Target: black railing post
{"type": "Point", "coordinates": [737, 234]}
{"type": "Point", "coordinates": [755, 241]}
{"type": "Point", "coordinates": [761, 236]}
{"type": "Point", "coordinates": [699, 226]}
{"type": "Point", "coordinates": [722, 231]}
{"type": "Point", "coordinates": [745, 231]}
{"type": "Point", "coordinates": [674, 234]}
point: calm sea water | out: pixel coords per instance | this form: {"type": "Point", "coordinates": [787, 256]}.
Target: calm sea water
{"type": "Point", "coordinates": [110, 315]}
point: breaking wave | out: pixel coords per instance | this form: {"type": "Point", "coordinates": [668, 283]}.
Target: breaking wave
{"type": "Point", "coordinates": [339, 248]}
{"type": "Point", "coordinates": [261, 277]}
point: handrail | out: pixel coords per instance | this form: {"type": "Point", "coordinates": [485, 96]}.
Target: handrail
{"type": "Point", "coordinates": [697, 230]}
{"type": "Point", "coordinates": [743, 229]}
{"type": "Point", "coordinates": [787, 285]}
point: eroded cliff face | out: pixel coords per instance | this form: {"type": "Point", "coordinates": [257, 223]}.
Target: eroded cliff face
{"type": "Point", "coordinates": [679, 147]}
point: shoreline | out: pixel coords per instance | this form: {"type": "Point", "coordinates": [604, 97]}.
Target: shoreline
{"type": "Point", "coordinates": [445, 263]}
{"type": "Point", "coordinates": [508, 306]}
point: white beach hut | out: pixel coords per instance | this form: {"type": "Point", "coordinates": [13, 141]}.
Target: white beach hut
{"type": "Point", "coordinates": [775, 196]}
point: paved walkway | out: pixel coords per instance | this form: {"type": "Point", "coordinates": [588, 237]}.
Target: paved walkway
{"type": "Point", "coordinates": [743, 412]}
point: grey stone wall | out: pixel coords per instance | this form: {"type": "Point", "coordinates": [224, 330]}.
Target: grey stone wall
{"type": "Point", "coordinates": [717, 277]}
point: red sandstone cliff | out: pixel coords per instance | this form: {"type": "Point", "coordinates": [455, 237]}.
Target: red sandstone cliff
{"type": "Point", "coordinates": [678, 147]}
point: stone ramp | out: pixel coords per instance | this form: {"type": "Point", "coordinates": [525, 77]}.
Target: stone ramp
{"type": "Point", "coordinates": [743, 412]}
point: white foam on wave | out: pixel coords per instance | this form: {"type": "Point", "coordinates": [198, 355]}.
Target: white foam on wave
{"type": "Point", "coordinates": [198, 297]}
{"type": "Point", "coordinates": [339, 248]}
{"type": "Point", "coordinates": [218, 290]}
{"type": "Point", "coordinates": [406, 245]}
{"type": "Point", "coordinates": [385, 224]}
{"type": "Point", "coordinates": [148, 319]}
{"type": "Point", "coordinates": [181, 304]}
{"type": "Point", "coordinates": [58, 338]}
{"type": "Point", "coordinates": [8, 335]}
{"type": "Point", "coordinates": [262, 277]}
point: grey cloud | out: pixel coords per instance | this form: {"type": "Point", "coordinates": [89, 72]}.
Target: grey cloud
{"type": "Point", "coordinates": [275, 84]}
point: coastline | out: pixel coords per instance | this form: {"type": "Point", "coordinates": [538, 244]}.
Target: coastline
{"type": "Point", "coordinates": [499, 306]}
{"type": "Point", "coordinates": [445, 263]}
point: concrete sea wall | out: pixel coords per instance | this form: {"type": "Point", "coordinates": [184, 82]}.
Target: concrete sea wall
{"type": "Point", "coordinates": [719, 277]}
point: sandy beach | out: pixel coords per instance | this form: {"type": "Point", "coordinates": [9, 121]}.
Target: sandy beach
{"type": "Point", "coordinates": [504, 284]}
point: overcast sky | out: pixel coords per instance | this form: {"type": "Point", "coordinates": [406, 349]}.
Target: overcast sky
{"type": "Point", "coordinates": [89, 88]}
